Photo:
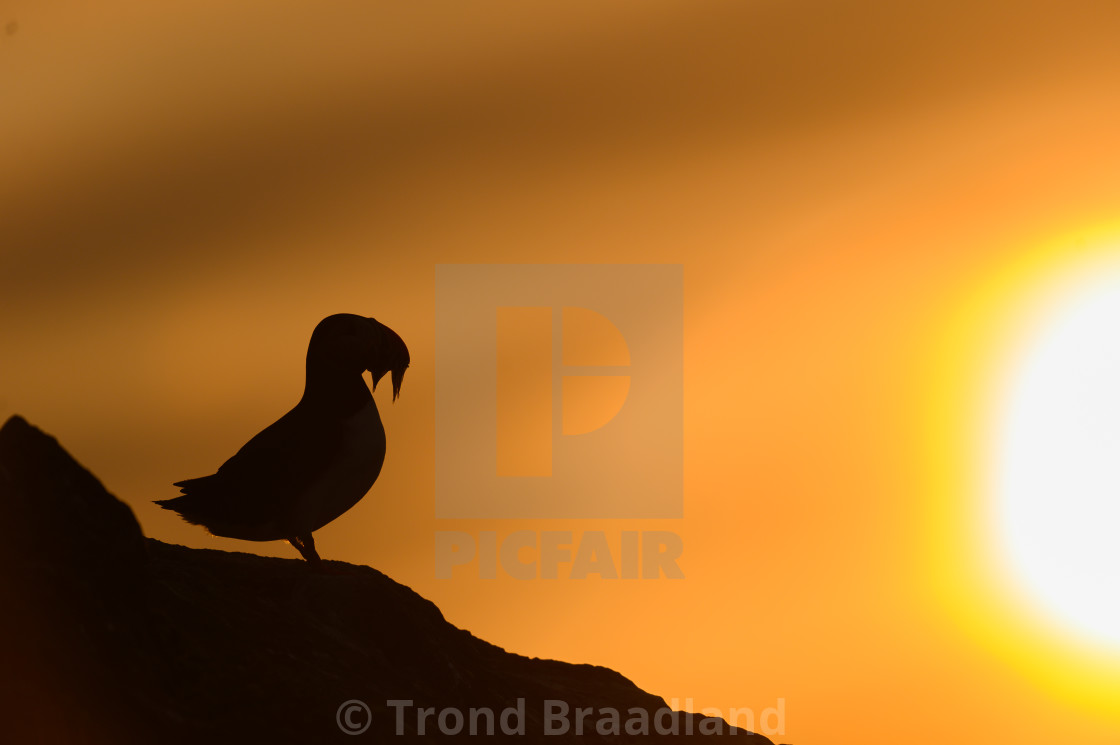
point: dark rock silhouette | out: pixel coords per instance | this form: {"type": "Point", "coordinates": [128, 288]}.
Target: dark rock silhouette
{"type": "Point", "coordinates": [111, 637]}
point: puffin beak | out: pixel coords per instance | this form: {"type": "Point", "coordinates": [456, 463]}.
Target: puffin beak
{"type": "Point", "coordinates": [398, 378]}
{"type": "Point", "coordinates": [390, 346]}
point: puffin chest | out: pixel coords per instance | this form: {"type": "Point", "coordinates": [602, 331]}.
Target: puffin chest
{"type": "Point", "coordinates": [350, 473]}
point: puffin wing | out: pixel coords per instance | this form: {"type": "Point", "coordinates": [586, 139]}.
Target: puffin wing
{"type": "Point", "coordinates": [252, 493]}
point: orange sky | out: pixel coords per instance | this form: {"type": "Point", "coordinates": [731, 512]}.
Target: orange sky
{"type": "Point", "coordinates": [861, 194]}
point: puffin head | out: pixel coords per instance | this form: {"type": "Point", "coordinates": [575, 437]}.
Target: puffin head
{"type": "Point", "coordinates": [354, 344]}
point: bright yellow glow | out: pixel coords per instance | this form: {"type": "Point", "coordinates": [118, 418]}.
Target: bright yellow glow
{"type": "Point", "coordinates": [1024, 576]}
{"type": "Point", "coordinates": [1056, 480]}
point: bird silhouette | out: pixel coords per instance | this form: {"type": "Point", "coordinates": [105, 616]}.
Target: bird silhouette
{"type": "Point", "coordinates": [315, 462]}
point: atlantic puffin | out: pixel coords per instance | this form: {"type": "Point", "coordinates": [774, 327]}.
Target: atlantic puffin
{"type": "Point", "coordinates": [315, 462]}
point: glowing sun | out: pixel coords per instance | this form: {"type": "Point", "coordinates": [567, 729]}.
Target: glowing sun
{"type": "Point", "coordinates": [1057, 460]}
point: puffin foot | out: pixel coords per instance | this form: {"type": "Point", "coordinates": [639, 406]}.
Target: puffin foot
{"type": "Point", "coordinates": [305, 544]}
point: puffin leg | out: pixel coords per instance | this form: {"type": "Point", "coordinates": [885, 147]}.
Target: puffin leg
{"type": "Point", "coordinates": [305, 544]}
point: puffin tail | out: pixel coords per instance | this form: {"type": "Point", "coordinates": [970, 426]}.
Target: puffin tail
{"type": "Point", "coordinates": [185, 505]}
{"type": "Point", "coordinates": [175, 503]}
{"type": "Point", "coordinates": [207, 502]}
{"type": "Point", "coordinates": [193, 505]}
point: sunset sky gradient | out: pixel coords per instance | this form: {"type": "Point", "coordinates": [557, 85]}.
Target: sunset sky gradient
{"type": "Point", "coordinates": [868, 200]}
